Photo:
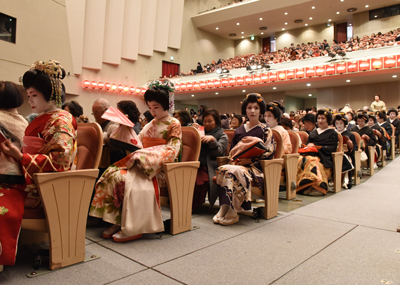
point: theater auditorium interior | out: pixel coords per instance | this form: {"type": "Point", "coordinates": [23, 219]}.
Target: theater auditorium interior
{"type": "Point", "coordinates": [308, 55]}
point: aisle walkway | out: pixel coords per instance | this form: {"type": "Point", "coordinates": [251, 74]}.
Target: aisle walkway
{"type": "Point", "coordinates": [347, 238]}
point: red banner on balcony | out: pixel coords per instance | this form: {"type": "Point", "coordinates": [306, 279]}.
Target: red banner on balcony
{"type": "Point", "coordinates": [257, 79]}
{"type": "Point", "coordinates": [273, 76]}
{"type": "Point", "coordinates": [217, 83]}
{"type": "Point", "coordinates": [320, 71]}
{"type": "Point", "coordinates": [398, 61]}
{"type": "Point", "coordinates": [300, 73]}
{"type": "Point", "coordinates": [364, 64]}
{"type": "Point", "coordinates": [290, 74]}
{"type": "Point", "coordinates": [264, 78]}
{"type": "Point", "coordinates": [189, 85]}
{"type": "Point", "coordinates": [239, 80]}
{"type": "Point", "coordinates": [196, 86]}
{"type": "Point", "coordinates": [310, 71]}
{"type": "Point", "coordinates": [203, 84]}
{"type": "Point", "coordinates": [390, 61]}
{"type": "Point", "coordinates": [177, 87]}
{"type": "Point", "coordinates": [377, 63]}
{"type": "Point", "coordinates": [210, 83]}
{"type": "Point", "coordinates": [232, 81]}
{"type": "Point", "coordinates": [341, 68]}
{"type": "Point", "coordinates": [330, 69]}
{"type": "Point", "coordinates": [282, 75]}
{"type": "Point", "coordinates": [352, 66]}
{"type": "Point", "coordinates": [225, 82]}
{"type": "Point", "coordinates": [183, 87]}
{"type": "Point", "coordinates": [249, 79]}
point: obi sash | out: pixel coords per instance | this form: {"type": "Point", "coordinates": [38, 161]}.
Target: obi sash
{"type": "Point", "coordinates": [149, 142]}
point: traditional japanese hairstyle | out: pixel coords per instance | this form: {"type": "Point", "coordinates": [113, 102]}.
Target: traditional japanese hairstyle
{"type": "Point", "coordinates": [371, 115]}
{"type": "Point", "coordinates": [45, 77]}
{"type": "Point", "coordinates": [362, 115]}
{"type": "Point", "coordinates": [325, 112]}
{"type": "Point", "coordinates": [392, 110]}
{"type": "Point", "coordinates": [275, 109]}
{"type": "Point", "coordinates": [159, 91]}
{"type": "Point", "coordinates": [340, 117]}
{"type": "Point", "coordinates": [253, 98]}
{"type": "Point", "coordinates": [381, 115]}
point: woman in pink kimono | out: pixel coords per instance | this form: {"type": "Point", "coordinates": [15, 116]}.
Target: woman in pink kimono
{"type": "Point", "coordinates": [127, 195]}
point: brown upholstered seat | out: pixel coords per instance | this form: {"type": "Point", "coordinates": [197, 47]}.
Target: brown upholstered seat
{"type": "Point", "coordinates": [230, 134]}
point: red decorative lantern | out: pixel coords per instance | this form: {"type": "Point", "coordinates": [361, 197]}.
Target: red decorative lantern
{"type": "Point", "coordinates": [341, 68]}
{"type": "Point", "coordinates": [93, 84]}
{"type": "Point", "coordinates": [282, 75]}
{"type": "Point", "coordinates": [225, 82]}
{"type": "Point", "coordinates": [177, 87]}
{"type": "Point", "coordinates": [189, 86]}
{"type": "Point", "coordinates": [310, 72]}
{"type": "Point", "coordinates": [203, 84]}
{"type": "Point", "coordinates": [196, 85]}
{"type": "Point", "coordinates": [320, 70]}
{"type": "Point", "coordinates": [290, 74]}
{"type": "Point", "coordinates": [330, 69]}
{"type": "Point", "coordinates": [132, 89]}
{"type": "Point", "coordinates": [120, 88]}
{"type": "Point", "coordinates": [390, 61]}
{"type": "Point", "coordinates": [217, 83]}
{"type": "Point", "coordinates": [138, 90]}
{"type": "Point", "coordinates": [352, 66]}
{"type": "Point", "coordinates": [264, 78]}
{"type": "Point", "coordinates": [232, 81]}
{"type": "Point", "coordinates": [257, 79]}
{"type": "Point", "coordinates": [364, 65]}
{"type": "Point", "coordinates": [100, 85]}
{"type": "Point", "coordinates": [107, 86]}
{"type": "Point", "coordinates": [144, 90]}
{"type": "Point", "coordinates": [377, 63]}
{"type": "Point", "coordinates": [249, 79]}
{"type": "Point", "coordinates": [86, 84]}
{"type": "Point", "coordinates": [210, 83]}
{"type": "Point", "coordinates": [239, 80]}
{"type": "Point", "coordinates": [300, 73]}
{"type": "Point", "coordinates": [183, 87]}
{"type": "Point", "coordinates": [398, 61]}
{"type": "Point", "coordinates": [273, 76]}
{"type": "Point", "coordinates": [114, 87]}
{"type": "Point", "coordinates": [126, 88]}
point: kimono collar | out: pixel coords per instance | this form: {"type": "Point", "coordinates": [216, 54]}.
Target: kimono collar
{"type": "Point", "coordinates": [320, 131]}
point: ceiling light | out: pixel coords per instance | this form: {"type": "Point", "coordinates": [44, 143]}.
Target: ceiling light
{"type": "Point", "coordinates": [376, 16]}
{"type": "Point", "coordinates": [285, 23]}
{"type": "Point", "coordinates": [238, 24]}
{"type": "Point", "coordinates": [262, 33]}
{"type": "Point", "coordinates": [341, 0]}
{"type": "Point", "coordinates": [338, 13]}
{"type": "Point", "coordinates": [260, 19]}
{"type": "Point", "coordinates": [286, 13]}
{"type": "Point", "coordinates": [348, 80]}
{"type": "Point", "coordinates": [274, 88]}
{"type": "Point", "coordinates": [242, 37]}
{"type": "Point", "coordinates": [243, 90]}
{"type": "Point", "coordinates": [349, 24]}
{"type": "Point", "coordinates": [312, 7]}
{"type": "Point", "coordinates": [310, 18]}
{"type": "Point", "coordinates": [309, 95]}
{"type": "Point", "coordinates": [366, 6]}
{"type": "Point", "coordinates": [216, 93]}
{"type": "Point", "coordinates": [306, 25]}
{"type": "Point", "coordinates": [192, 95]}
{"type": "Point", "coordinates": [283, 29]}
{"type": "Point", "coordinates": [242, 33]}
{"type": "Point", "coordinates": [394, 76]}
{"type": "Point", "coordinates": [216, 28]}
{"type": "Point", "coordinates": [329, 20]}
{"type": "Point", "coordinates": [308, 84]}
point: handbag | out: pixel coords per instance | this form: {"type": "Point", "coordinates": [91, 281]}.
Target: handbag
{"type": "Point", "coordinates": [248, 147]}
{"type": "Point", "coordinates": [309, 149]}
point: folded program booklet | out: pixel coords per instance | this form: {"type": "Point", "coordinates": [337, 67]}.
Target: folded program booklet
{"type": "Point", "coordinates": [252, 151]}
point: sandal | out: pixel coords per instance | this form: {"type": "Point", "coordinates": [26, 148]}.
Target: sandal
{"type": "Point", "coordinates": [217, 219]}
{"type": "Point", "coordinates": [229, 221]}
{"type": "Point", "coordinates": [108, 233]}
{"type": "Point", "coordinates": [121, 237]}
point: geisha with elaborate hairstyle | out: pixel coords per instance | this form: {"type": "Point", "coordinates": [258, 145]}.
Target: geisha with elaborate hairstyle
{"type": "Point", "coordinates": [49, 145]}
{"type": "Point", "coordinates": [127, 194]}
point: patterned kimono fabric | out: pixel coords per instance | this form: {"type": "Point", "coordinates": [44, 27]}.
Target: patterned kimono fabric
{"type": "Point", "coordinates": [54, 133]}
{"type": "Point", "coordinates": [314, 170]}
{"type": "Point", "coordinates": [235, 180]}
{"type": "Point", "coordinates": [128, 193]}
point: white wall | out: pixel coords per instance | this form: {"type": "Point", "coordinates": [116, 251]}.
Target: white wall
{"type": "Point", "coordinates": [304, 35]}
{"type": "Point", "coordinates": [248, 46]}
{"type": "Point", "coordinates": [363, 26]}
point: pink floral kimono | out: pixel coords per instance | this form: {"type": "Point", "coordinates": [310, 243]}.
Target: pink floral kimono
{"type": "Point", "coordinates": [128, 194]}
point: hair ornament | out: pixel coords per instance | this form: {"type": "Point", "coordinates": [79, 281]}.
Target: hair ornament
{"type": "Point", "coordinates": [276, 104]}
{"type": "Point", "coordinates": [326, 113]}
{"type": "Point", "coordinates": [259, 99]}
{"type": "Point", "coordinates": [166, 84]}
{"type": "Point", "coordinates": [271, 108]}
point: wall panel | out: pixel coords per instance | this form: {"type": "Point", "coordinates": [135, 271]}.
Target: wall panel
{"type": "Point", "coordinates": [130, 32]}
{"type": "Point", "coordinates": [113, 31]}
{"type": "Point", "coordinates": [175, 25]}
{"type": "Point", "coordinates": [162, 25]}
{"type": "Point", "coordinates": [147, 27]}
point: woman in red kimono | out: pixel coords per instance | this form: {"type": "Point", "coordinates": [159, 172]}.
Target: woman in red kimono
{"type": "Point", "coordinates": [50, 141]}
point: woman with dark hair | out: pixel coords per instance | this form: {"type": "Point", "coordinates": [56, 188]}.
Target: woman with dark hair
{"type": "Point", "coordinates": [236, 121]}
{"type": "Point", "coordinates": [148, 117]}
{"type": "Point", "coordinates": [50, 139]}
{"type": "Point", "coordinates": [183, 117]}
{"type": "Point", "coordinates": [132, 112]}
{"type": "Point", "coordinates": [213, 145]}
{"type": "Point", "coordinates": [315, 165]}
{"type": "Point", "coordinates": [76, 110]}
{"type": "Point", "coordinates": [12, 194]}
{"type": "Point", "coordinates": [272, 117]}
{"type": "Point", "coordinates": [392, 113]}
{"type": "Point", "coordinates": [234, 179]}
{"type": "Point", "coordinates": [127, 193]}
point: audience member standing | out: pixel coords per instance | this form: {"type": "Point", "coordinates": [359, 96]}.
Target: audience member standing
{"type": "Point", "coordinates": [377, 104]}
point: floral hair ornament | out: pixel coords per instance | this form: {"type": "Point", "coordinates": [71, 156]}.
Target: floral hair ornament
{"type": "Point", "coordinates": [258, 95]}
{"type": "Point", "coordinates": [271, 108]}
{"type": "Point", "coordinates": [167, 85]}
{"type": "Point", "coordinates": [55, 71]}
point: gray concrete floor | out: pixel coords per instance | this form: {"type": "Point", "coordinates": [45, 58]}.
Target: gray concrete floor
{"type": "Point", "coordinates": [344, 238]}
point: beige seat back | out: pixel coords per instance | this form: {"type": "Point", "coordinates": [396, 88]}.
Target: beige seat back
{"type": "Point", "coordinates": [279, 144]}
{"type": "Point", "coordinates": [294, 140]}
